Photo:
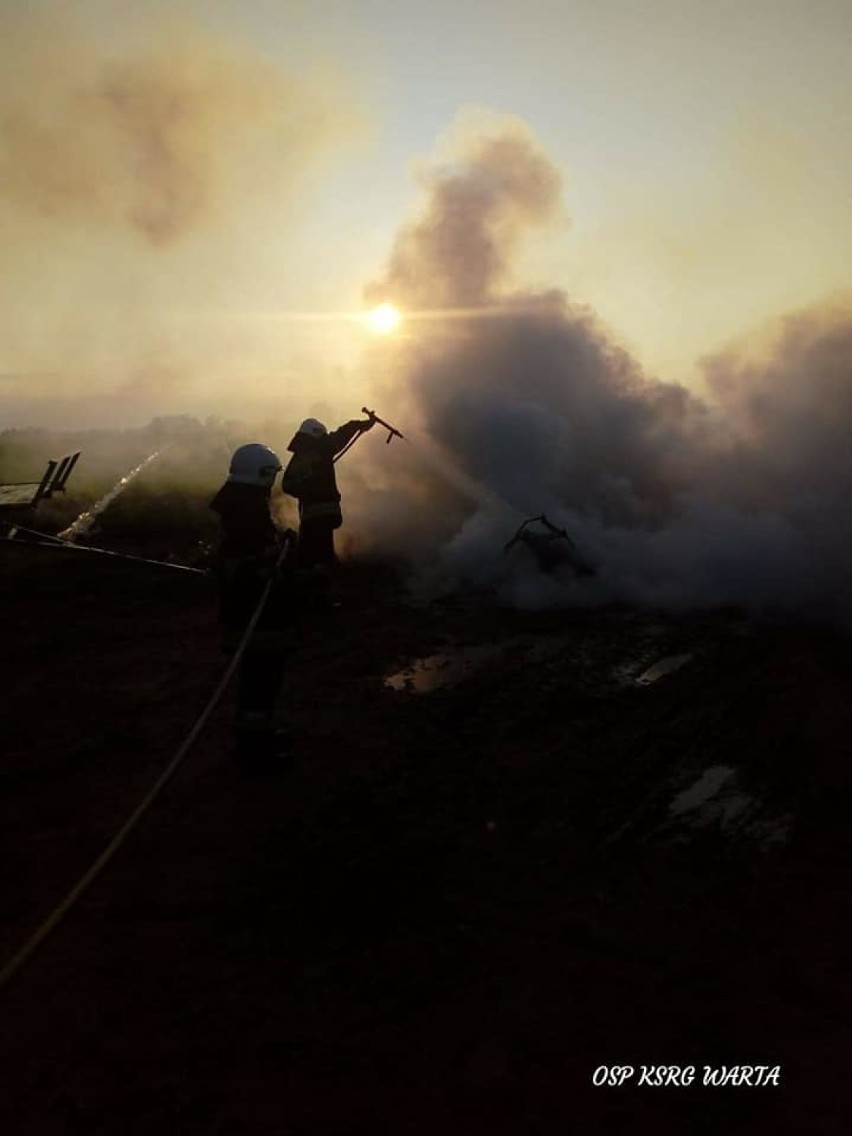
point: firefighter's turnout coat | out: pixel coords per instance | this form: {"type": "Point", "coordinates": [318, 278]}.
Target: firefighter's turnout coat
{"type": "Point", "coordinates": [310, 478]}
{"type": "Point", "coordinates": [248, 548]}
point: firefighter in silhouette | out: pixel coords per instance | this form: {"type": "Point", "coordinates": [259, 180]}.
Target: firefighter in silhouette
{"type": "Point", "coordinates": [249, 552]}
{"type": "Point", "coordinates": [309, 477]}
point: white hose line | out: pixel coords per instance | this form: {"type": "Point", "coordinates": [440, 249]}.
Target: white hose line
{"type": "Point", "coordinates": [50, 924]}
{"type": "Point", "coordinates": [49, 541]}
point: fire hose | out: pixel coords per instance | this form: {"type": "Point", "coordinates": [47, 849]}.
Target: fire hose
{"type": "Point", "coordinates": [47, 540]}
{"type": "Point", "coordinates": [61, 910]}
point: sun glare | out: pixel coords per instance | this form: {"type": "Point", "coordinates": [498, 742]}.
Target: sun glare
{"type": "Point", "coordinates": [384, 319]}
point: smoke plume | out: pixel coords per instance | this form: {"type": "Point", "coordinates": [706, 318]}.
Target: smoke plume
{"type": "Point", "coordinates": [161, 138]}
{"type": "Point", "coordinates": [678, 501]}
{"type": "Point", "coordinates": [151, 171]}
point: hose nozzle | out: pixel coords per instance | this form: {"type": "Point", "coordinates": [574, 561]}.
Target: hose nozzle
{"type": "Point", "coordinates": [392, 431]}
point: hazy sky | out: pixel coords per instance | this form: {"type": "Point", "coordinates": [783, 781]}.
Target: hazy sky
{"type": "Point", "coordinates": [173, 178]}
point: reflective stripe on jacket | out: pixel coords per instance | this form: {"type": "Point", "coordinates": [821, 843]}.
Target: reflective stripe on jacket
{"type": "Point", "coordinates": [321, 510]}
{"type": "Point", "coordinates": [309, 475]}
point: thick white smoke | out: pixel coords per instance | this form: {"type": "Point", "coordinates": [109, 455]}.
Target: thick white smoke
{"type": "Point", "coordinates": [679, 501]}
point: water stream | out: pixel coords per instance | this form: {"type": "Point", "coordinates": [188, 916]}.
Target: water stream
{"type": "Point", "coordinates": [86, 519]}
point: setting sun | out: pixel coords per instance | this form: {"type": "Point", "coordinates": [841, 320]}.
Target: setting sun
{"type": "Point", "coordinates": [384, 319]}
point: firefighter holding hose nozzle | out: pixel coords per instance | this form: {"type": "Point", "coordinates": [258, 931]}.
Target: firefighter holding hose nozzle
{"type": "Point", "coordinates": [250, 549]}
{"type": "Point", "coordinates": [256, 560]}
{"type": "Point", "coordinates": [310, 478]}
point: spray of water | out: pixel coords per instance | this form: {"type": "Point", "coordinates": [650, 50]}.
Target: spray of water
{"type": "Point", "coordinates": [85, 521]}
{"type": "Point", "coordinates": [445, 466]}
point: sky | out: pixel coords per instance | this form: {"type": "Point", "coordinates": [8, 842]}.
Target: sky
{"type": "Point", "coordinates": [193, 196]}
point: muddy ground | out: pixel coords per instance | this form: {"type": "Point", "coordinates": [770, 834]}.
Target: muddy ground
{"type": "Point", "coordinates": [458, 905]}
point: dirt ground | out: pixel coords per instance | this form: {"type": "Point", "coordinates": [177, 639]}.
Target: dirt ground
{"type": "Point", "coordinates": [458, 905]}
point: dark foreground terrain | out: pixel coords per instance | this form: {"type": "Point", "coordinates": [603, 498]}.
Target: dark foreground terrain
{"type": "Point", "coordinates": [460, 903]}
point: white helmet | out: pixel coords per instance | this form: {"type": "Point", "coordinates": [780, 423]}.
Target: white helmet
{"type": "Point", "coordinates": [313, 427]}
{"type": "Point", "coordinates": [254, 464]}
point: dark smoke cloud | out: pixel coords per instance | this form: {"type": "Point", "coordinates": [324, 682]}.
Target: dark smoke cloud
{"type": "Point", "coordinates": [461, 248]}
{"type": "Point", "coordinates": [532, 407]}
{"type": "Point", "coordinates": [789, 402]}
{"type": "Point", "coordinates": [157, 139]}
{"type": "Point", "coordinates": [152, 176]}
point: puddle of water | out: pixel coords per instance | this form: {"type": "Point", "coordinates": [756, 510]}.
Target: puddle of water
{"type": "Point", "coordinates": [776, 830]}
{"type": "Point", "coordinates": [707, 786]}
{"type": "Point", "coordinates": [663, 667]}
{"type": "Point", "coordinates": [717, 798]}
{"type": "Point", "coordinates": [456, 663]}
{"type": "Point", "coordinates": [445, 669]}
